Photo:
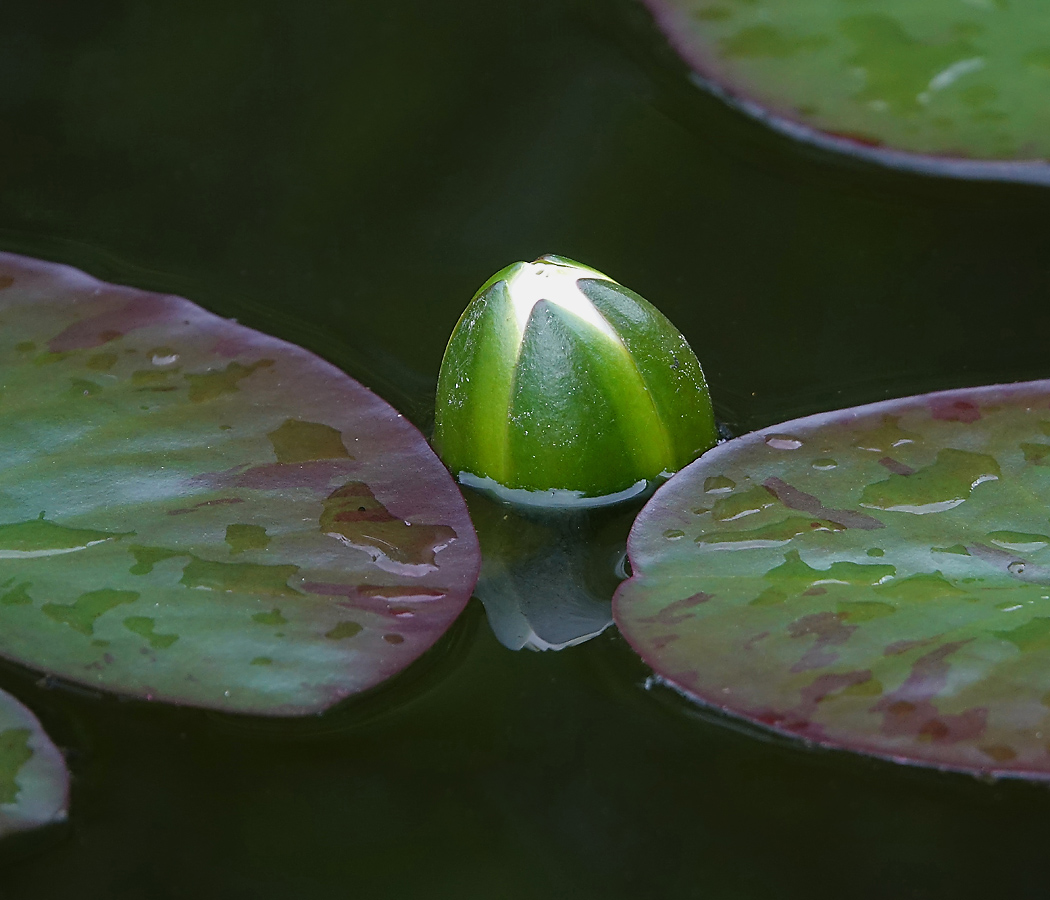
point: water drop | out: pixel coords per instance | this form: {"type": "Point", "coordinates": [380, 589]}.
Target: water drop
{"type": "Point", "coordinates": [1017, 567]}
{"type": "Point", "coordinates": [674, 534]}
{"type": "Point", "coordinates": [824, 464]}
{"type": "Point", "coordinates": [783, 442]}
{"type": "Point", "coordinates": [719, 484]}
{"type": "Point", "coordinates": [623, 566]}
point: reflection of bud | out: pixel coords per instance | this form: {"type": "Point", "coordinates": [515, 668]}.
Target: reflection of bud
{"type": "Point", "coordinates": [557, 379]}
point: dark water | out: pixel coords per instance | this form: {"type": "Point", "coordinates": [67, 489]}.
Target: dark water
{"type": "Point", "coordinates": [345, 175]}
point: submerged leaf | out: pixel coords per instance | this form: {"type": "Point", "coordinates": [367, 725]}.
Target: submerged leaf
{"type": "Point", "coordinates": [34, 782]}
{"type": "Point", "coordinates": [942, 86]}
{"type": "Point", "coordinates": [907, 615]}
{"type": "Point", "coordinates": [183, 498]}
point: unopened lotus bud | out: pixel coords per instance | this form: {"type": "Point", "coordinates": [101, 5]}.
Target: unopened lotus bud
{"type": "Point", "coordinates": [560, 386]}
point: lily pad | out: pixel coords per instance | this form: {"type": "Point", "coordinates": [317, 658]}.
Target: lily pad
{"type": "Point", "coordinates": [34, 781]}
{"type": "Point", "coordinates": [194, 512]}
{"type": "Point", "coordinates": [876, 579]}
{"type": "Point", "coordinates": [941, 86]}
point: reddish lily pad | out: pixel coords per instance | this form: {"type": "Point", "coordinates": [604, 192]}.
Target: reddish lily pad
{"type": "Point", "coordinates": [34, 781]}
{"type": "Point", "coordinates": [941, 86]}
{"type": "Point", "coordinates": [194, 512]}
{"type": "Point", "coordinates": [876, 579]}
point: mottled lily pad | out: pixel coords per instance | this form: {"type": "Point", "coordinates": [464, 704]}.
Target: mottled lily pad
{"type": "Point", "coordinates": [951, 86]}
{"type": "Point", "coordinates": [194, 512]}
{"type": "Point", "coordinates": [34, 781]}
{"type": "Point", "coordinates": [876, 579]}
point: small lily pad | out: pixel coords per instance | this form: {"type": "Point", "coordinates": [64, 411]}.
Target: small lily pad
{"type": "Point", "coordinates": [895, 602]}
{"type": "Point", "coordinates": [34, 781]}
{"type": "Point", "coordinates": [194, 512]}
{"type": "Point", "coordinates": [942, 86]}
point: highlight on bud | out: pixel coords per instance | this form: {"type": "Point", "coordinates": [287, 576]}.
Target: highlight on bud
{"type": "Point", "coordinates": [560, 386]}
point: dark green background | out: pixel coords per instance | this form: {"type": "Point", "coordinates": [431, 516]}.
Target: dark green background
{"type": "Point", "coordinates": [345, 175]}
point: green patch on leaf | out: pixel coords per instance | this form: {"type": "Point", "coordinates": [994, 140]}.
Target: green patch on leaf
{"type": "Point", "coordinates": [242, 537]}
{"type": "Point", "coordinates": [1033, 635]}
{"type": "Point", "coordinates": [88, 608]}
{"type": "Point", "coordinates": [39, 537]}
{"type": "Point", "coordinates": [147, 557]}
{"type": "Point", "coordinates": [920, 588]}
{"type": "Point", "coordinates": [101, 362]}
{"type": "Point", "coordinates": [14, 753]}
{"type": "Point", "coordinates": [146, 627]}
{"type": "Point", "coordinates": [343, 630]}
{"type": "Point", "coordinates": [17, 596]}
{"type": "Point", "coordinates": [865, 610]}
{"type": "Point", "coordinates": [746, 503]}
{"type": "Point", "coordinates": [273, 617]}
{"type": "Point", "coordinates": [251, 578]}
{"type": "Point", "coordinates": [297, 441]}
{"type": "Point", "coordinates": [770, 535]}
{"type": "Point", "coordinates": [943, 484]}
{"type": "Point", "coordinates": [208, 386]}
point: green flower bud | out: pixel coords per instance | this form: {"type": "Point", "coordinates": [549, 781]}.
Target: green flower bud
{"type": "Point", "coordinates": [560, 386]}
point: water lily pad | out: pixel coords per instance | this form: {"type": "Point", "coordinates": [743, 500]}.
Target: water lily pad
{"type": "Point", "coordinates": [942, 86]}
{"type": "Point", "coordinates": [34, 781]}
{"type": "Point", "coordinates": [194, 512]}
{"type": "Point", "coordinates": [876, 579]}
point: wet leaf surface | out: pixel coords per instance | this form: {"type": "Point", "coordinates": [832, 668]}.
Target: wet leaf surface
{"type": "Point", "coordinates": [956, 81]}
{"type": "Point", "coordinates": [34, 781]}
{"type": "Point", "coordinates": [875, 579]}
{"type": "Point", "coordinates": [194, 512]}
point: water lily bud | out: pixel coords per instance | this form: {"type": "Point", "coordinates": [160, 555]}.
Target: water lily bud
{"type": "Point", "coordinates": [560, 386]}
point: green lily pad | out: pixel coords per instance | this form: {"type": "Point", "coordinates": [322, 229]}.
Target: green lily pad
{"type": "Point", "coordinates": [942, 86]}
{"type": "Point", "coordinates": [194, 512]}
{"type": "Point", "coordinates": [34, 781]}
{"type": "Point", "coordinates": [876, 579]}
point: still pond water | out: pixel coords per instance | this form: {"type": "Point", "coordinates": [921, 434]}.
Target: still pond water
{"type": "Point", "coordinates": [345, 176]}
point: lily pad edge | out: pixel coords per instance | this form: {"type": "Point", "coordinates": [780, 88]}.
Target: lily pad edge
{"type": "Point", "coordinates": [1028, 171]}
